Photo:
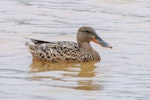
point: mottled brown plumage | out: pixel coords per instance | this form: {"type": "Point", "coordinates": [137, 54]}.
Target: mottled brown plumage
{"type": "Point", "coordinates": [66, 51]}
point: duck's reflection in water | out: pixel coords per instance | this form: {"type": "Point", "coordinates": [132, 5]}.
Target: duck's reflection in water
{"type": "Point", "coordinates": [82, 72]}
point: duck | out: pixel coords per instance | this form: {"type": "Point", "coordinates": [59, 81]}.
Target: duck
{"type": "Point", "coordinates": [67, 51]}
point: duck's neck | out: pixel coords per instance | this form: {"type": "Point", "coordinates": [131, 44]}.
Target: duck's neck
{"type": "Point", "coordinates": [85, 45]}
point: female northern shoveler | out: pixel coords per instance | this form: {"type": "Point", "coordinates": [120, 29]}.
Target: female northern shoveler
{"type": "Point", "coordinates": [68, 51]}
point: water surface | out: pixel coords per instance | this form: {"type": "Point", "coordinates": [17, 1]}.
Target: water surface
{"type": "Point", "coordinates": [123, 73]}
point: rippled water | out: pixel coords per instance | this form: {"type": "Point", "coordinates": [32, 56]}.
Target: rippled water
{"type": "Point", "coordinates": [123, 73]}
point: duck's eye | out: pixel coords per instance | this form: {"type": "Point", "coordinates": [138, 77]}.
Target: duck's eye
{"type": "Point", "coordinates": [87, 31]}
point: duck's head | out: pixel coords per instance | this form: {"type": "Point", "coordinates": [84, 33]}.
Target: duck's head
{"type": "Point", "coordinates": [87, 34]}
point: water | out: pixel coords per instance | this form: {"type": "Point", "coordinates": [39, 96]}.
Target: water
{"type": "Point", "coordinates": [123, 73]}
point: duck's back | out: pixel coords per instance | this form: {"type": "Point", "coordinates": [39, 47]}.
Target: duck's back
{"type": "Point", "coordinates": [56, 51]}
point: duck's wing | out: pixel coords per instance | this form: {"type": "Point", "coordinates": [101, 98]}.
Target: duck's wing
{"type": "Point", "coordinates": [35, 41]}
{"type": "Point", "coordinates": [54, 51]}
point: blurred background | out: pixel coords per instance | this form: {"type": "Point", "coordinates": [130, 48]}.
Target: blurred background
{"type": "Point", "coordinates": [122, 74]}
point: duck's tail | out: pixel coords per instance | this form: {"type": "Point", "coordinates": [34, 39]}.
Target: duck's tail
{"type": "Point", "coordinates": [26, 43]}
{"type": "Point", "coordinates": [31, 47]}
